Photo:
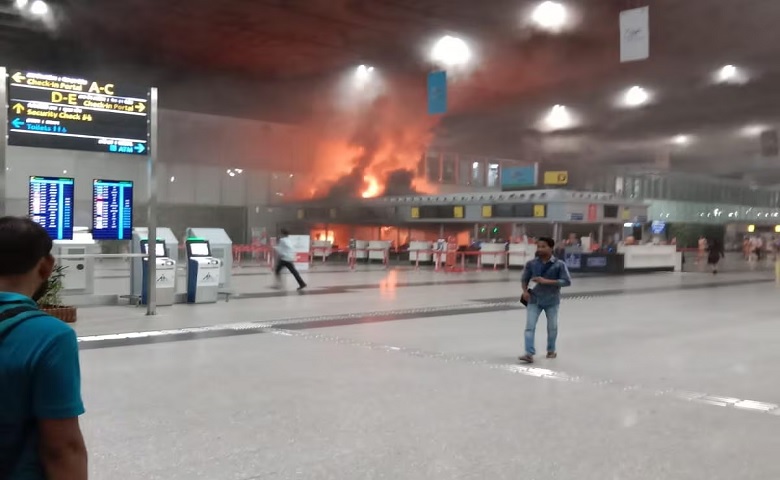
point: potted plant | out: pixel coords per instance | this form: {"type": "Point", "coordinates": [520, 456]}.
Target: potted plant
{"type": "Point", "coordinates": [51, 301]}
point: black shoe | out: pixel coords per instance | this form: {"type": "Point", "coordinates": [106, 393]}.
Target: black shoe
{"type": "Point", "coordinates": [552, 354]}
{"type": "Point", "coordinates": [302, 287]}
{"type": "Point", "coordinates": [526, 358]}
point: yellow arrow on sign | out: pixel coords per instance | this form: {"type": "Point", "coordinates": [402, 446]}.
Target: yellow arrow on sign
{"type": "Point", "coordinates": [140, 107]}
{"type": "Point", "coordinates": [18, 108]}
{"type": "Point", "coordinates": [18, 77]}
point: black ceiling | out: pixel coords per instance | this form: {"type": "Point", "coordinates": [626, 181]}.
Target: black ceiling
{"type": "Point", "coordinates": [283, 48]}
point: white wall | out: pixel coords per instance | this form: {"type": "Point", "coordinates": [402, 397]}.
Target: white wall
{"type": "Point", "coordinates": [194, 149]}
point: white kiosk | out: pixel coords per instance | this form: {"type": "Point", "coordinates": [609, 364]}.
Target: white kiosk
{"type": "Point", "coordinates": [202, 272]}
{"type": "Point", "coordinates": [79, 271]}
{"type": "Point", "coordinates": [137, 265]}
{"type": "Point", "coordinates": [220, 247]}
{"type": "Point", "coordinates": [165, 284]}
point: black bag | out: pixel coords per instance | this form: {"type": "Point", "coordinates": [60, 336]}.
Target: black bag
{"type": "Point", "coordinates": [545, 269]}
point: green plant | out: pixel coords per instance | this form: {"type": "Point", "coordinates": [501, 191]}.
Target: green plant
{"type": "Point", "coordinates": [52, 298]}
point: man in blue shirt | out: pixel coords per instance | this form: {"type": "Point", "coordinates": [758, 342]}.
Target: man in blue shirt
{"type": "Point", "coordinates": [40, 384]}
{"type": "Point", "coordinates": [550, 275]}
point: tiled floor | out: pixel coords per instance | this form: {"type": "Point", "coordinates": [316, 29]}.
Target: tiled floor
{"type": "Point", "coordinates": [412, 375]}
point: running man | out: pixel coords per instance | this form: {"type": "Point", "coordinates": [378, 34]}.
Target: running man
{"type": "Point", "coordinates": [286, 258]}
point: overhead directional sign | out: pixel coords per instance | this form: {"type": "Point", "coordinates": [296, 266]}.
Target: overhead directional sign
{"type": "Point", "coordinates": [53, 111]}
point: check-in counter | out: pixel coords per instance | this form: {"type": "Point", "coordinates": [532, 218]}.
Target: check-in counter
{"type": "Point", "coordinates": [420, 251]}
{"type": "Point", "coordinates": [649, 257]}
{"type": "Point", "coordinates": [520, 254]}
{"type": "Point", "coordinates": [378, 249]}
{"type": "Point", "coordinates": [321, 249]}
{"type": "Point", "coordinates": [493, 254]}
{"type": "Point", "coordinates": [361, 252]}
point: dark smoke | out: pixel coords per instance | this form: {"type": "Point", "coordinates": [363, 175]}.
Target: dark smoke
{"type": "Point", "coordinates": [399, 182]}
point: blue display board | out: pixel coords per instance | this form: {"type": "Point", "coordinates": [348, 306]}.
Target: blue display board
{"type": "Point", "coordinates": [51, 205]}
{"type": "Point", "coordinates": [112, 210]}
{"type": "Point", "coordinates": [437, 93]}
{"type": "Point", "coordinates": [518, 178]}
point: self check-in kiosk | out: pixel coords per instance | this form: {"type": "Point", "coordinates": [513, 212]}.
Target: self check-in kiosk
{"type": "Point", "coordinates": [221, 247]}
{"type": "Point", "coordinates": [140, 234]}
{"type": "Point", "coordinates": [165, 283]}
{"type": "Point", "coordinates": [202, 272]}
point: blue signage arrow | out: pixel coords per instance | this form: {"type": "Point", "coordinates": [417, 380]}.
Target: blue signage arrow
{"type": "Point", "coordinates": [17, 123]}
{"type": "Point", "coordinates": [140, 148]}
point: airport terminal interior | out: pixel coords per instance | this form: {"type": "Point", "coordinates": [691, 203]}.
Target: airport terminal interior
{"type": "Point", "coordinates": [412, 162]}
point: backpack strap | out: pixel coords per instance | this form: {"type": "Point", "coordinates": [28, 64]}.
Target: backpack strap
{"type": "Point", "coordinates": [10, 319]}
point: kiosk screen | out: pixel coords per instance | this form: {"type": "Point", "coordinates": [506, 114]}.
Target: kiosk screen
{"type": "Point", "coordinates": [199, 250]}
{"type": "Point", "coordinates": [159, 249]}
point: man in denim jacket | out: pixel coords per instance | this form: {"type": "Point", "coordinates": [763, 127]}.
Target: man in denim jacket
{"type": "Point", "coordinates": [549, 275]}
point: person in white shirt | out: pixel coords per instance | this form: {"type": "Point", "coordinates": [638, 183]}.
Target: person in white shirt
{"type": "Point", "coordinates": [285, 258]}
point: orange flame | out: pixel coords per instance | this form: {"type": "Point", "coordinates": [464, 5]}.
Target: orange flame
{"type": "Point", "coordinates": [373, 188]}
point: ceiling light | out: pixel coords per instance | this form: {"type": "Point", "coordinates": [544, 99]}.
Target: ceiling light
{"type": "Point", "coordinates": [682, 140]}
{"type": "Point", "coordinates": [753, 130]}
{"type": "Point", "coordinates": [558, 118]}
{"type": "Point", "coordinates": [451, 51]}
{"type": "Point", "coordinates": [21, 4]}
{"type": "Point", "coordinates": [550, 15]}
{"type": "Point", "coordinates": [730, 74]}
{"type": "Point", "coordinates": [636, 96]}
{"type": "Point", "coordinates": [39, 7]}
{"type": "Point", "coordinates": [173, 179]}
{"type": "Point", "coordinates": [363, 72]}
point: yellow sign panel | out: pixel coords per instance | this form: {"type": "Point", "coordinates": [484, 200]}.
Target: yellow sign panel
{"type": "Point", "coordinates": [626, 214]}
{"type": "Point", "coordinates": [556, 178]}
{"type": "Point", "coordinates": [540, 211]}
{"type": "Point", "coordinates": [458, 211]}
{"type": "Point", "coordinates": [487, 211]}
{"type": "Point", "coordinates": [415, 212]}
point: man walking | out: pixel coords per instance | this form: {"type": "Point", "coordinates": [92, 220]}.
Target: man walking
{"type": "Point", "coordinates": [40, 437]}
{"type": "Point", "coordinates": [286, 254]}
{"type": "Point", "coordinates": [549, 275]}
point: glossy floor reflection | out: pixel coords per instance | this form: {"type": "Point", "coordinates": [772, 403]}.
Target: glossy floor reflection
{"type": "Point", "coordinates": [412, 375]}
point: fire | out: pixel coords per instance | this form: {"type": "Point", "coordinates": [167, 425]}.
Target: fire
{"type": "Point", "coordinates": [372, 187]}
{"type": "Point", "coordinates": [371, 149]}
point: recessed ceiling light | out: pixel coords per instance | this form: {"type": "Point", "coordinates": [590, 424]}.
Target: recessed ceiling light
{"type": "Point", "coordinates": [21, 4]}
{"type": "Point", "coordinates": [682, 140]}
{"type": "Point", "coordinates": [753, 130]}
{"type": "Point", "coordinates": [636, 96]}
{"type": "Point", "coordinates": [550, 15]}
{"type": "Point", "coordinates": [730, 74]}
{"type": "Point", "coordinates": [451, 51]}
{"type": "Point", "coordinates": [39, 7]}
{"type": "Point", "coordinates": [558, 118]}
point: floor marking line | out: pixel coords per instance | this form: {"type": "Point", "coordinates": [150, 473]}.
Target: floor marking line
{"type": "Point", "coordinates": [542, 373]}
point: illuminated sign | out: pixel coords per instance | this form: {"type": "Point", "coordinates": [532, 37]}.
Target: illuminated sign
{"type": "Point", "coordinates": [51, 205]}
{"type": "Point", "coordinates": [487, 211]}
{"type": "Point", "coordinates": [459, 211]}
{"type": "Point", "coordinates": [112, 210]}
{"type": "Point", "coordinates": [517, 178]}
{"type": "Point", "coordinates": [556, 178]}
{"type": "Point", "coordinates": [53, 111]}
{"type": "Point", "coordinates": [540, 211]}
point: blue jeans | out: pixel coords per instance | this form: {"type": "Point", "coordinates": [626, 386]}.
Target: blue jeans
{"type": "Point", "coordinates": [534, 312]}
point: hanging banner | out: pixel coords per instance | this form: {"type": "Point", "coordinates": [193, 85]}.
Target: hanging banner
{"type": "Point", "coordinates": [437, 93]}
{"type": "Point", "coordinates": [635, 34]}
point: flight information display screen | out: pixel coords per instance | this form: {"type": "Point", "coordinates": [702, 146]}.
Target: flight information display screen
{"type": "Point", "coordinates": [51, 205]}
{"type": "Point", "coordinates": [112, 209]}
